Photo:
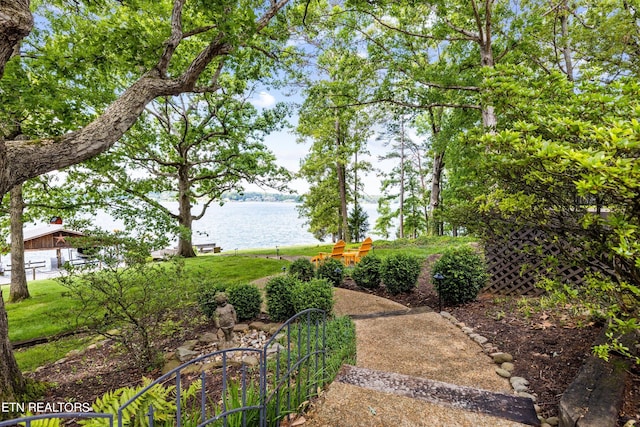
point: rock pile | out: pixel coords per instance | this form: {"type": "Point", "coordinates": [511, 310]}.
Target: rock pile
{"type": "Point", "coordinates": [246, 336]}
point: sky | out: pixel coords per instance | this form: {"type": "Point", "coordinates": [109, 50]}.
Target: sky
{"type": "Point", "coordinates": [289, 153]}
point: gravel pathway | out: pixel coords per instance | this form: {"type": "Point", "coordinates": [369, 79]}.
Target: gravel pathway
{"type": "Point", "coordinates": [400, 351]}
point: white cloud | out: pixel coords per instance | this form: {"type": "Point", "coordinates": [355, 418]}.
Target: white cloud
{"type": "Point", "coordinates": [263, 100]}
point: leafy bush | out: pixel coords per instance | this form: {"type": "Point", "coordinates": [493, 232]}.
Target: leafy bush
{"type": "Point", "coordinates": [400, 273]}
{"type": "Point", "coordinates": [317, 293]}
{"type": "Point", "coordinates": [302, 268]}
{"type": "Point", "coordinates": [279, 292]}
{"type": "Point", "coordinates": [246, 299]}
{"type": "Point", "coordinates": [206, 297]}
{"type": "Point", "coordinates": [332, 270]}
{"type": "Point", "coordinates": [367, 272]}
{"type": "Point", "coordinates": [464, 274]}
{"type": "Point", "coordinates": [136, 298]}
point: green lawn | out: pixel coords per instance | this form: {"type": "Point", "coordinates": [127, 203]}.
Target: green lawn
{"type": "Point", "coordinates": [421, 247]}
{"type": "Point", "coordinates": [30, 358]}
{"type": "Point", "coordinates": [46, 313]}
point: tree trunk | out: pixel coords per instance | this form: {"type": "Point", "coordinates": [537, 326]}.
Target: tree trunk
{"type": "Point", "coordinates": [185, 243]}
{"type": "Point", "coordinates": [12, 382]}
{"type": "Point", "coordinates": [489, 119]}
{"type": "Point", "coordinates": [401, 207]}
{"type": "Point", "coordinates": [436, 178]}
{"type": "Point", "coordinates": [342, 185]}
{"type": "Point", "coordinates": [16, 22]}
{"type": "Point", "coordinates": [566, 45]}
{"type": "Point", "coordinates": [19, 290]}
{"type": "Point", "coordinates": [434, 203]}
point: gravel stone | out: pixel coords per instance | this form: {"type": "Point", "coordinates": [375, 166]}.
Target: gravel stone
{"type": "Point", "coordinates": [508, 366]}
{"type": "Point", "coordinates": [503, 373]}
{"type": "Point", "coordinates": [500, 358]}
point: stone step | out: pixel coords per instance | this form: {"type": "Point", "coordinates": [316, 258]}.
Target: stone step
{"type": "Point", "coordinates": [513, 408]}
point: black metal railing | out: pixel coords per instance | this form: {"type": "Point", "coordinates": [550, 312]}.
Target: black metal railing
{"type": "Point", "coordinates": [290, 369]}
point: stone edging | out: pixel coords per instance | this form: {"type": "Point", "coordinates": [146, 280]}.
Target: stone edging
{"type": "Point", "coordinates": [504, 368]}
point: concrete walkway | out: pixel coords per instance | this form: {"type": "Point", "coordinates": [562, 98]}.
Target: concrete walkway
{"type": "Point", "coordinates": [415, 368]}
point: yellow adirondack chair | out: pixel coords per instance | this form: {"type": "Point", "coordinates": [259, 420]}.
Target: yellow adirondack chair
{"type": "Point", "coordinates": [355, 257]}
{"type": "Point", "coordinates": [336, 253]}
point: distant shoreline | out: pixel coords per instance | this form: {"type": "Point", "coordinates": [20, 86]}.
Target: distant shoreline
{"type": "Point", "coordinates": [254, 196]}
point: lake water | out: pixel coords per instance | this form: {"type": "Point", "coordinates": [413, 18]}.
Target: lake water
{"type": "Point", "coordinates": [235, 225]}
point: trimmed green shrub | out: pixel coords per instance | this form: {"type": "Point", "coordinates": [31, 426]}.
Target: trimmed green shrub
{"type": "Point", "coordinates": [367, 272]}
{"type": "Point", "coordinates": [400, 273]}
{"type": "Point", "coordinates": [246, 299]}
{"type": "Point", "coordinates": [464, 274]}
{"type": "Point", "coordinates": [206, 296]}
{"type": "Point", "coordinates": [279, 292]}
{"type": "Point", "coordinates": [317, 293]}
{"type": "Point", "coordinates": [303, 269]}
{"type": "Point", "coordinates": [332, 270]}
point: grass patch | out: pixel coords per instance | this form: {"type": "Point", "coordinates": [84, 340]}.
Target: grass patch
{"type": "Point", "coordinates": [422, 247]}
{"type": "Point", "coordinates": [234, 268]}
{"type": "Point", "coordinates": [46, 313]}
{"type": "Point", "coordinates": [30, 358]}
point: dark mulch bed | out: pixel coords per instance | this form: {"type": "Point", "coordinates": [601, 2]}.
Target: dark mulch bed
{"type": "Point", "coordinates": [83, 377]}
{"type": "Point", "coordinates": [549, 347]}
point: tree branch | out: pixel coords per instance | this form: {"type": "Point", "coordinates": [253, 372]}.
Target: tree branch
{"type": "Point", "coordinates": [16, 22]}
{"type": "Point", "coordinates": [171, 44]}
{"type": "Point", "coordinates": [22, 160]}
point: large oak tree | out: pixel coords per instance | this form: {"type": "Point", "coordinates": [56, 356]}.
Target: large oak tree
{"type": "Point", "coordinates": [195, 37]}
{"type": "Point", "coordinates": [195, 146]}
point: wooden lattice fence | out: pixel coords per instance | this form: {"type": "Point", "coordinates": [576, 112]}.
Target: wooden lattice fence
{"type": "Point", "coordinates": [517, 261]}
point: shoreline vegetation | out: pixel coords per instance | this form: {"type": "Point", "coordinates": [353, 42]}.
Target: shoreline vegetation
{"type": "Point", "coordinates": [256, 196]}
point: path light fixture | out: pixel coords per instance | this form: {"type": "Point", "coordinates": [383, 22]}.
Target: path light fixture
{"type": "Point", "coordinates": [439, 278]}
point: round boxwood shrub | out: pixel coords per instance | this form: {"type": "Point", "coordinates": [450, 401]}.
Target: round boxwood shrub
{"type": "Point", "coordinates": [464, 275]}
{"type": "Point", "coordinates": [400, 273]}
{"type": "Point", "coordinates": [279, 292]}
{"type": "Point", "coordinates": [303, 269]}
{"type": "Point", "coordinates": [206, 296]}
{"type": "Point", "coordinates": [332, 270]}
{"type": "Point", "coordinates": [317, 293]}
{"type": "Point", "coordinates": [246, 299]}
{"type": "Point", "coordinates": [367, 272]}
